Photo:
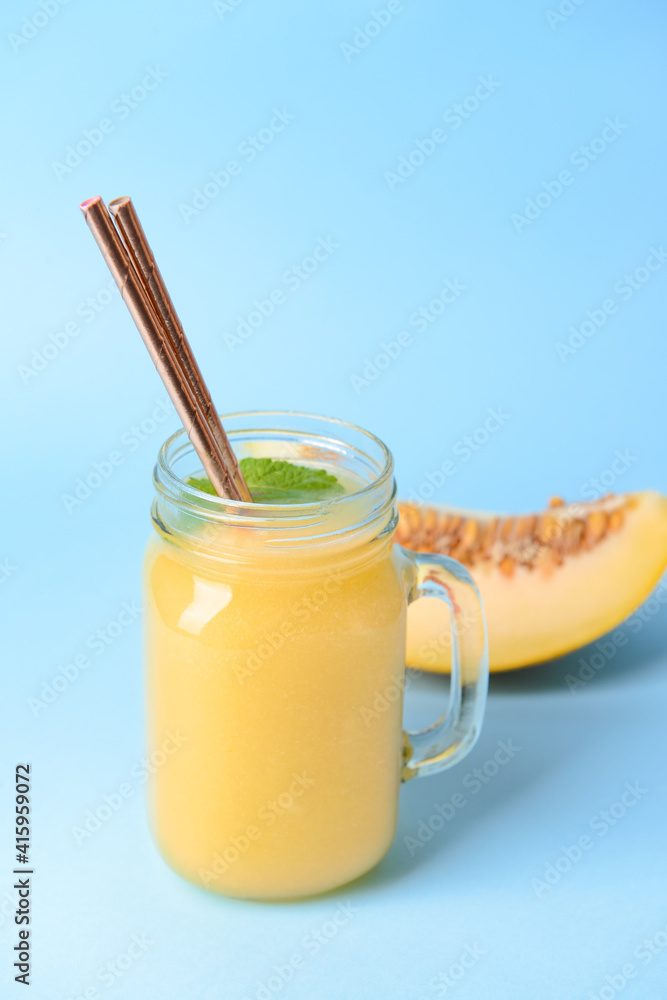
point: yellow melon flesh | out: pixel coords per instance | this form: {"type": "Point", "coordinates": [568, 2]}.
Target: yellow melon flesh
{"type": "Point", "coordinates": [533, 616]}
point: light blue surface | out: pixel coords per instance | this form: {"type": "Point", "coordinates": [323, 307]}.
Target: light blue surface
{"type": "Point", "coordinates": [495, 346]}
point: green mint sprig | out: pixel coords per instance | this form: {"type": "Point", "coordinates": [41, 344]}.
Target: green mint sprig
{"type": "Point", "coordinates": [277, 481]}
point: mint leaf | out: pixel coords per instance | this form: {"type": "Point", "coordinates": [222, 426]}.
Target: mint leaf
{"type": "Point", "coordinates": [202, 483]}
{"type": "Point", "coordinates": [276, 481]}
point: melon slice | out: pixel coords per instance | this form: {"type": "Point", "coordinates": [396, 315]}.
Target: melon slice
{"type": "Point", "coordinates": [550, 582]}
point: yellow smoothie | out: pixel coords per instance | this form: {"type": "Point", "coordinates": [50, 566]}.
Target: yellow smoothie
{"type": "Point", "coordinates": [280, 670]}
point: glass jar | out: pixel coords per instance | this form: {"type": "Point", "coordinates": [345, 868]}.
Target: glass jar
{"type": "Point", "coordinates": [274, 632]}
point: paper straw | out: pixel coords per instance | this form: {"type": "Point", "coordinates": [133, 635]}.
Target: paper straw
{"type": "Point", "coordinates": [159, 346]}
{"type": "Point", "coordinates": [138, 247]}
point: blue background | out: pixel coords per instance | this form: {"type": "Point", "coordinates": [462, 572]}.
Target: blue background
{"type": "Point", "coordinates": [355, 114]}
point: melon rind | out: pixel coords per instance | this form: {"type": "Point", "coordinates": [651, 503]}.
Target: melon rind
{"type": "Point", "coordinates": [532, 616]}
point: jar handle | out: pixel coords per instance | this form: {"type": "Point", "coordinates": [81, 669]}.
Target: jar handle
{"type": "Point", "coordinates": [447, 741]}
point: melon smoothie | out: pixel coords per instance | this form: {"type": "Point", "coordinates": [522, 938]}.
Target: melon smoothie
{"type": "Point", "coordinates": [276, 636]}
